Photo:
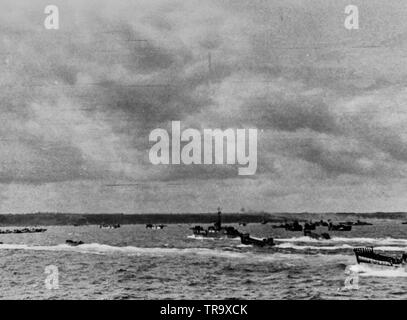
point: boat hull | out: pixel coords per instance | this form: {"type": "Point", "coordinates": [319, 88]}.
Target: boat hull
{"type": "Point", "coordinates": [246, 239]}
{"type": "Point", "coordinates": [367, 255]}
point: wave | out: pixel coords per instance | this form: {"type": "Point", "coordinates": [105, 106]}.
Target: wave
{"type": "Point", "coordinates": [197, 237]}
{"type": "Point", "coordinates": [96, 248]}
{"type": "Point", "coordinates": [374, 241]}
{"type": "Point", "coordinates": [300, 247]}
{"type": "Point", "coordinates": [231, 253]}
{"type": "Point", "coordinates": [377, 271]}
{"type": "Point", "coordinates": [200, 238]}
{"type": "Point", "coordinates": [288, 245]}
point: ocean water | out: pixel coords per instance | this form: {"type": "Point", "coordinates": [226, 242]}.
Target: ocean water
{"type": "Point", "coordinates": [135, 263]}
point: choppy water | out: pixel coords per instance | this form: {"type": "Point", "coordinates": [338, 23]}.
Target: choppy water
{"type": "Point", "coordinates": [135, 263]}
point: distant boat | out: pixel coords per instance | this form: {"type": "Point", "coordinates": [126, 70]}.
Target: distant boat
{"type": "Point", "coordinates": [362, 223]}
{"type": "Point", "coordinates": [323, 223]}
{"type": "Point", "coordinates": [217, 230]}
{"type": "Point", "coordinates": [357, 223]}
{"type": "Point", "coordinates": [339, 227]}
{"type": "Point", "coordinates": [323, 236]}
{"type": "Point", "coordinates": [73, 243]}
{"type": "Point", "coordinates": [109, 226]}
{"type": "Point", "coordinates": [295, 226]}
{"type": "Point", "coordinates": [24, 230]}
{"type": "Point", "coordinates": [367, 255]}
{"type": "Point", "coordinates": [155, 227]}
{"type": "Point", "coordinates": [309, 226]}
{"type": "Point", "coordinates": [246, 239]}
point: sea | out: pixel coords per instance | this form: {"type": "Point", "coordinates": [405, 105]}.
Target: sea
{"type": "Point", "coordinates": [133, 262]}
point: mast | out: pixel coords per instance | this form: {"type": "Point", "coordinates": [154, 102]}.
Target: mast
{"type": "Point", "coordinates": [219, 222]}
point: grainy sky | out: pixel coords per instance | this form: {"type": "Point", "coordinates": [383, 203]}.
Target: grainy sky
{"type": "Point", "coordinates": [78, 103]}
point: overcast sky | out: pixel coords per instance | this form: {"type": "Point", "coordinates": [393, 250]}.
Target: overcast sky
{"type": "Point", "coordinates": [78, 103]}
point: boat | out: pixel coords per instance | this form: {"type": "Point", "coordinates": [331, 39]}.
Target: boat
{"type": "Point", "coordinates": [217, 230]}
{"type": "Point", "coordinates": [313, 235]}
{"type": "Point", "coordinates": [24, 230]}
{"type": "Point", "coordinates": [357, 223]}
{"type": "Point", "coordinates": [260, 242]}
{"type": "Point", "coordinates": [323, 223]}
{"type": "Point", "coordinates": [73, 243]}
{"type": "Point", "coordinates": [265, 219]}
{"type": "Point", "coordinates": [295, 226]}
{"type": "Point", "coordinates": [309, 226]}
{"type": "Point", "coordinates": [367, 255]}
{"type": "Point", "coordinates": [362, 223]}
{"type": "Point", "coordinates": [339, 227]}
{"type": "Point", "coordinates": [155, 226]}
{"type": "Point", "coordinates": [109, 226]}
{"type": "Point", "coordinates": [199, 231]}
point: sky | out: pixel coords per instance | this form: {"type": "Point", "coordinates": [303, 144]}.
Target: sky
{"type": "Point", "coordinates": [77, 104]}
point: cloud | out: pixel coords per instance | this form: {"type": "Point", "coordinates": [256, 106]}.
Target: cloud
{"type": "Point", "coordinates": [77, 104]}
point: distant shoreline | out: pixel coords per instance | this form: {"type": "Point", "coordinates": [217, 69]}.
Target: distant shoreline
{"type": "Point", "coordinates": [49, 219]}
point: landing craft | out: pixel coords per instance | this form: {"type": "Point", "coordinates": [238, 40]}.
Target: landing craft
{"type": "Point", "coordinates": [109, 226]}
{"type": "Point", "coordinates": [217, 230]}
{"type": "Point", "coordinates": [155, 227]}
{"type": "Point", "coordinates": [73, 243]}
{"type": "Point", "coordinates": [24, 230]}
{"type": "Point", "coordinates": [295, 226]}
{"type": "Point", "coordinates": [317, 236]}
{"type": "Point", "coordinates": [260, 242]}
{"type": "Point", "coordinates": [339, 227]}
{"type": "Point", "coordinates": [367, 255]}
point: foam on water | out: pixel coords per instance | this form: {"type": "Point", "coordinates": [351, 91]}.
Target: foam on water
{"type": "Point", "coordinates": [197, 237]}
{"type": "Point", "coordinates": [375, 241]}
{"type": "Point", "coordinates": [378, 271]}
{"type": "Point", "coordinates": [132, 263]}
{"type": "Point", "coordinates": [96, 248]}
{"type": "Point", "coordinates": [200, 237]}
{"type": "Point", "coordinates": [289, 245]}
{"type": "Point", "coordinates": [301, 247]}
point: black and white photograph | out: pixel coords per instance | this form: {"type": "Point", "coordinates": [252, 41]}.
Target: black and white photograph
{"type": "Point", "coordinates": [211, 150]}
